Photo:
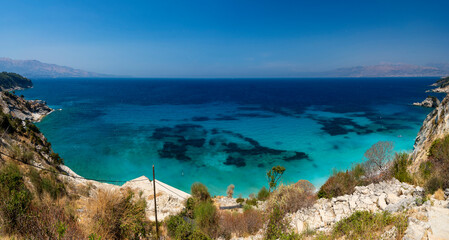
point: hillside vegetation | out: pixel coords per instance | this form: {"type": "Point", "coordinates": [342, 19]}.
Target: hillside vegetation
{"type": "Point", "coordinates": [11, 81]}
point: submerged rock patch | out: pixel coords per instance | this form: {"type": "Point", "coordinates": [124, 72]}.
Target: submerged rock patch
{"type": "Point", "coordinates": [190, 142]}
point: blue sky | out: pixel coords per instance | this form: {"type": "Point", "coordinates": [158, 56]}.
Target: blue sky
{"type": "Point", "coordinates": [215, 38]}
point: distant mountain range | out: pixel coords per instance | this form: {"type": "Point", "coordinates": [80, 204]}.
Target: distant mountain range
{"type": "Point", "coordinates": [37, 69]}
{"type": "Point", "coordinates": [389, 70]}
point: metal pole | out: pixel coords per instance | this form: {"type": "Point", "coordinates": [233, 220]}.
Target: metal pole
{"type": "Point", "coordinates": [155, 207]}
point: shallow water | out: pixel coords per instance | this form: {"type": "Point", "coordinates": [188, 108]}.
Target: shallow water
{"type": "Point", "coordinates": [226, 131]}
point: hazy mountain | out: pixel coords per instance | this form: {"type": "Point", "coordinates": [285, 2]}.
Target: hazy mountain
{"type": "Point", "coordinates": [389, 70]}
{"type": "Point", "coordinates": [37, 69]}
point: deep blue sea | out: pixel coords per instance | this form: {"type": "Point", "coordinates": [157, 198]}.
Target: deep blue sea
{"type": "Point", "coordinates": [226, 131]}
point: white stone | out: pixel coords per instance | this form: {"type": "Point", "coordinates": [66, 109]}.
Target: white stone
{"type": "Point", "coordinates": [392, 198]}
{"type": "Point", "coordinates": [381, 202]}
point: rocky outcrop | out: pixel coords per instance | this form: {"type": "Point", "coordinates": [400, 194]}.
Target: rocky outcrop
{"type": "Point", "coordinates": [170, 201]}
{"type": "Point", "coordinates": [31, 110]}
{"type": "Point", "coordinates": [441, 85]}
{"type": "Point", "coordinates": [392, 196]}
{"type": "Point", "coordinates": [429, 102]}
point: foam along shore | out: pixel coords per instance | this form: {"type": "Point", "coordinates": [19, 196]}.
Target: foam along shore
{"type": "Point", "coordinates": [170, 200]}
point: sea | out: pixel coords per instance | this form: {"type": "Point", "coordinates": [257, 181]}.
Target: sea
{"type": "Point", "coordinates": [226, 131]}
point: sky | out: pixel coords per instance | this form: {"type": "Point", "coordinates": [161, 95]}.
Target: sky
{"type": "Point", "coordinates": [223, 38]}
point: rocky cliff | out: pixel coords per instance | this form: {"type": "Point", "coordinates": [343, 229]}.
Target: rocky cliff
{"type": "Point", "coordinates": [30, 110]}
{"type": "Point", "coordinates": [435, 126]}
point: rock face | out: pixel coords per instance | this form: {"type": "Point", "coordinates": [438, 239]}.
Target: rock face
{"type": "Point", "coordinates": [170, 201]}
{"type": "Point", "coordinates": [31, 110]}
{"type": "Point", "coordinates": [441, 85]}
{"type": "Point", "coordinates": [392, 196]}
{"type": "Point", "coordinates": [436, 125]}
{"type": "Point", "coordinates": [429, 102]}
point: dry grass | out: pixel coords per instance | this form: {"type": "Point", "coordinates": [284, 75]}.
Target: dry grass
{"type": "Point", "coordinates": [439, 195]}
{"type": "Point", "coordinates": [117, 215]}
{"type": "Point", "coordinates": [240, 224]}
{"type": "Point", "coordinates": [291, 198]}
{"type": "Point", "coordinates": [50, 219]}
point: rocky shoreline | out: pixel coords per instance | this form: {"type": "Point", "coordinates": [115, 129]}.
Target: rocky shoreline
{"type": "Point", "coordinates": [429, 102]}
{"type": "Point", "coordinates": [28, 110]}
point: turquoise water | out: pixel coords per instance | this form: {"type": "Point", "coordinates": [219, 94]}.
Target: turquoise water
{"type": "Point", "coordinates": [222, 132]}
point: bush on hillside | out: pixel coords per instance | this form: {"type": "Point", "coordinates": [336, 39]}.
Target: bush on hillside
{"type": "Point", "coordinates": [21, 154]}
{"type": "Point", "coordinates": [277, 226]}
{"type": "Point", "coordinates": [200, 192]}
{"type": "Point", "coordinates": [263, 194]}
{"type": "Point", "coordinates": [340, 183]}
{"type": "Point", "coordinates": [205, 217]}
{"type": "Point", "coordinates": [437, 170]}
{"type": "Point", "coordinates": [49, 184]}
{"type": "Point", "coordinates": [377, 156]}
{"type": "Point", "coordinates": [344, 182]}
{"type": "Point", "coordinates": [178, 228]}
{"type": "Point", "coordinates": [291, 198]}
{"type": "Point", "coordinates": [399, 168]}
{"type": "Point", "coordinates": [15, 198]}
{"type": "Point", "coordinates": [56, 158]}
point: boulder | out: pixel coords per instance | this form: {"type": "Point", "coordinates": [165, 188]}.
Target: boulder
{"type": "Point", "coordinates": [392, 198]}
{"type": "Point", "coordinates": [381, 202]}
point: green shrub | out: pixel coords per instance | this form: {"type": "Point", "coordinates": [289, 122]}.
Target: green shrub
{"type": "Point", "coordinates": [433, 184]}
{"type": "Point", "coordinates": [340, 183]}
{"type": "Point", "coordinates": [200, 192]}
{"type": "Point", "coordinates": [277, 226]}
{"type": "Point", "coordinates": [240, 200]}
{"type": "Point", "coordinates": [366, 225]}
{"type": "Point", "coordinates": [49, 183]}
{"type": "Point", "coordinates": [205, 217]}
{"type": "Point", "coordinates": [263, 194]}
{"type": "Point", "coordinates": [344, 182]}
{"type": "Point", "coordinates": [247, 207]}
{"type": "Point", "coordinates": [178, 228]}
{"type": "Point", "coordinates": [23, 155]}
{"type": "Point", "coordinates": [425, 169]}
{"type": "Point", "coordinates": [251, 202]}
{"type": "Point", "coordinates": [15, 198]}
{"type": "Point", "coordinates": [36, 180]}
{"type": "Point", "coordinates": [56, 158]}
{"type": "Point", "coordinates": [399, 168]}
{"type": "Point", "coordinates": [198, 235]}
{"type": "Point", "coordinates": [273, 176]}
{"type": "Point", "coordinates": [53, 186]}
{"type": "Point", "coordinates": [439, 166]}
{"type": "Point", "coordinates": [33, 128]}
{"type": "Point", "coordinates": [189, 208]}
